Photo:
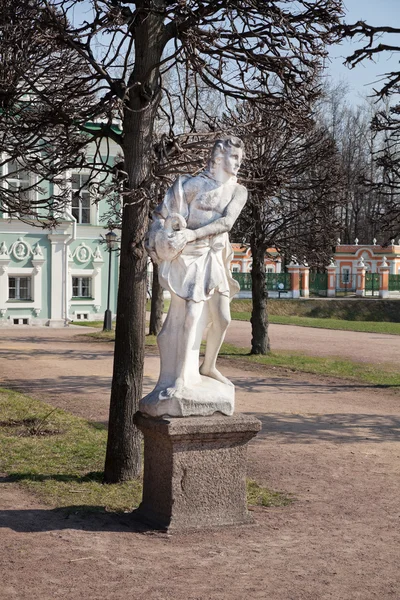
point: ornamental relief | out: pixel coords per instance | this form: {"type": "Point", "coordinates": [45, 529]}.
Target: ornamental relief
{"type": "Point", "coordinates": [21, 250]}
{"type": "Point", "coordinates": [83, 254]}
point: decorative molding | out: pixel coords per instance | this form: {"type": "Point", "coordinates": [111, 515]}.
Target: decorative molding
{"type": "Point", "coordinates": [21, 249]}
{"type": "Point", "coordinates": [361, 263]}
{"type": "Point", "coordinates": [4, 253]}
{"type": "Point", "coordinates": [97, 256]}
{"type": "Point", "coordinates": [37, 252]}
{"type": "Point", "coordinates": [82, 253]}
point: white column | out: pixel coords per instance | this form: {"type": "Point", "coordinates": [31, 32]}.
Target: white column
{"type": "Point", "coordinates": [3, 287]}
{"type": "Point", "coordinates": [58, 279]}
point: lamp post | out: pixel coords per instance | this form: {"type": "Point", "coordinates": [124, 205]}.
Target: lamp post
{"type": "Point", "coordinates": [111, 241]}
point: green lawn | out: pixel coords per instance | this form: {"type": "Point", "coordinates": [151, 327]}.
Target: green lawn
{"type": "Point", "coordinates": [60, 458]}
{"type": "Point", "coordinates": [363, 326]}
{"type": "Point", "coordinates": [62, 461]}
{"type": "Point", "coordinates": [377, 375]}
{"type": "Point", "coordinates": [327, 323]}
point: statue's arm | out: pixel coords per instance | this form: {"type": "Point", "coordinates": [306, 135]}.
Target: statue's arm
{"type": "Point", "coordinates": [226, 222]}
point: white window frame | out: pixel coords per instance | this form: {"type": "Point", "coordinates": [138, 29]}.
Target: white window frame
{"type": "Point", "coordinates": [80, 279]}
{"type": "Point", "coordinates": [95, 276]}
{"type": "Point", "coordinates": [17, 297]}
{"type": "Point", "coordinates": [91, 208]}
{"type": "Point", "coordinates": [34, 273]}
{"type": "Point", "coordinates": [31, 180]}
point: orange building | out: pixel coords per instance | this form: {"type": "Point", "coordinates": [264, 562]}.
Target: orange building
{"type": "Point", "coordinates": [242, 260]}
{"type": "Point", "coordinates": [347, 257]}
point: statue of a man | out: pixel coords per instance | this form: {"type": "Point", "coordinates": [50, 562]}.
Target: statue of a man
{"type": "Point", "coordinates": [188, 237]}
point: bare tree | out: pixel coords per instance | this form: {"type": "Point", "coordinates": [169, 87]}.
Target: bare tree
{"type": "Point", "coordinates": [292, 171]}
{"type": "Point", "coordinates": [373, 42]}
{"type": "Point", "coordinates": [265, 52]}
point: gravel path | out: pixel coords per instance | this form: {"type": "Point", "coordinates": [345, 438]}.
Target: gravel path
{"type": "Point", "coordinates": [377, 348]}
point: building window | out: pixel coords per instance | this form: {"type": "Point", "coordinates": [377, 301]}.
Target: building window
{"type": "Point", "coordinates": [19, 183]}
{"type": "Point", "coordinates": [235, 269]}
{"type": "Point", "coordinates": [19, 288]}
{"type": "Point", "coordinates": [346, 275]}
{"type": "Point", "coordinates": [81, 287]}
{"type": "Point", "coordinates": [80, 198]}
{"type": "Point", "coordinates": [269, 270]}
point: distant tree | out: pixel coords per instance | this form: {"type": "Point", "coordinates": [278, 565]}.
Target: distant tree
{"type": "Point", "coordinates": [292, 172]}
{"type": "Point", "coordinates": [373, 42]}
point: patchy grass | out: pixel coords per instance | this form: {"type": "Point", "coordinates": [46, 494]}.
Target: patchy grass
{"type": "Point", "coordinates": [60, 459]}
{"type": "Point", "coordinates": [101, 336]}
{"type": "Point", "coordinates": [262, 496]}
{"type": "Point", "coordinates": [62, 469]}
{"type": "Point", "coordinates": [378, 375]}
{"type": "Point", "coordinates": [97, 324]}
{"type": "Point", "coordinates": [327, 323]}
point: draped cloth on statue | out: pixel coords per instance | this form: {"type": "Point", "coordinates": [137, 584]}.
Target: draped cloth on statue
{"type": "Point", "coordinates": [203, 266]}
{"type": "Point", "coordinates": [201, 269]}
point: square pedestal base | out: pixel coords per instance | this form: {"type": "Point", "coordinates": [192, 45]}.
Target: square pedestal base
{"type": "Point", "coordinates": [195, 471]}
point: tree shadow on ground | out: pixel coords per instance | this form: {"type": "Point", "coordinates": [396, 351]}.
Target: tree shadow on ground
{"type": "Point", "coordinates": [21, 354]}
{"type": "Point", "coordinates": [345, 428]}
{"type": "Point", "coordinates": [79, 385]}
{"type": "Point", "coordinates": [262, 384]}
{"type": "Point", "coordinates": [78, 517]}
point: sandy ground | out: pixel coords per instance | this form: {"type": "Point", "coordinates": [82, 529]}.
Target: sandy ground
{"type": "Point", "coordinates": [333, 444]}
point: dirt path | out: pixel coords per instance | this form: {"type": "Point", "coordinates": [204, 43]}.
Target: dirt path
{"type": "Point", "coordinates": [334, 445]}
{"type": "Point", "coordinates": [375, 348]}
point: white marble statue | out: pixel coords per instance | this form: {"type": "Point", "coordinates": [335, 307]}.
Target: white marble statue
{"type": "Point", "coordinates": [189, 240]}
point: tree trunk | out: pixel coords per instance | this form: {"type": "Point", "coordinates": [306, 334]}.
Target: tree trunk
{"type": "Point", "coordinates": [157, 304]}
{"type": "Point", "coordinates": [259, 314]}
{"type": "Point", "coordinates": [123, 457]}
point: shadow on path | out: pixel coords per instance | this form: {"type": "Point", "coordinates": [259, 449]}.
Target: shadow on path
{"type": "Point", "coordinates": [72, 517]}
{"type": "Point", "coordinates": [78, 385]}
{"type": "Point", "coordinates": [20, 354]}
{"type": "Point", "coordinates": [264, 383]}
{"type": "Point", "coordinates": [338, 428]}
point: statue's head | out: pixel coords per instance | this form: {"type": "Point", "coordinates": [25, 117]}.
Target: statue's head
{"type": "Point", "coordinates": [226, 156]}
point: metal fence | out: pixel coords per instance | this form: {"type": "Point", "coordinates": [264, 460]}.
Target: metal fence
{"type": "Point", "coordinates": [277, 282]}
{"type": "Point", "coordinates": [394, 283]}
{"type": "Point", "coordinates": [346, 285]}
{"type": "Point", "coordinates": [372, 281]}
{"type": "Point", "coordinates": [244, 280]}
{"type": "Point", "coordinates": [318, 284]}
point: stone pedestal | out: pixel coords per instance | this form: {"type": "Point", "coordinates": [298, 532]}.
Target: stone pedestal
{"type": "Point", "coordinates": [195, 471]}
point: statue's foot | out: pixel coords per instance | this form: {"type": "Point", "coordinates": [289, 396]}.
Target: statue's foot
{"type": "Point", "coordinates": [175, 390]}
{"type": "Point", "coordinates": [214, 374]}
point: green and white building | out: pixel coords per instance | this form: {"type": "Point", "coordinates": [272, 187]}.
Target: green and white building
{"type": "Point", "coordinates": [53, 277]}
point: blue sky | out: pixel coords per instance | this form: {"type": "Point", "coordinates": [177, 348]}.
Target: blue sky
{"type": "Point", "coordinates": [362, 78]}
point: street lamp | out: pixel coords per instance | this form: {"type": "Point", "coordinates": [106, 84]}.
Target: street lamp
{"type": "Point", "coordinates": [111, 241]}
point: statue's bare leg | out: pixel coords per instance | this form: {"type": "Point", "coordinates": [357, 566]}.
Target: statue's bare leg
{"type": "Point", "coordinates": [220, 318]}
{"type": "Point", "coordinates": [188, 348]}
{"type": "Point", "coordinates": [168, 339]}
